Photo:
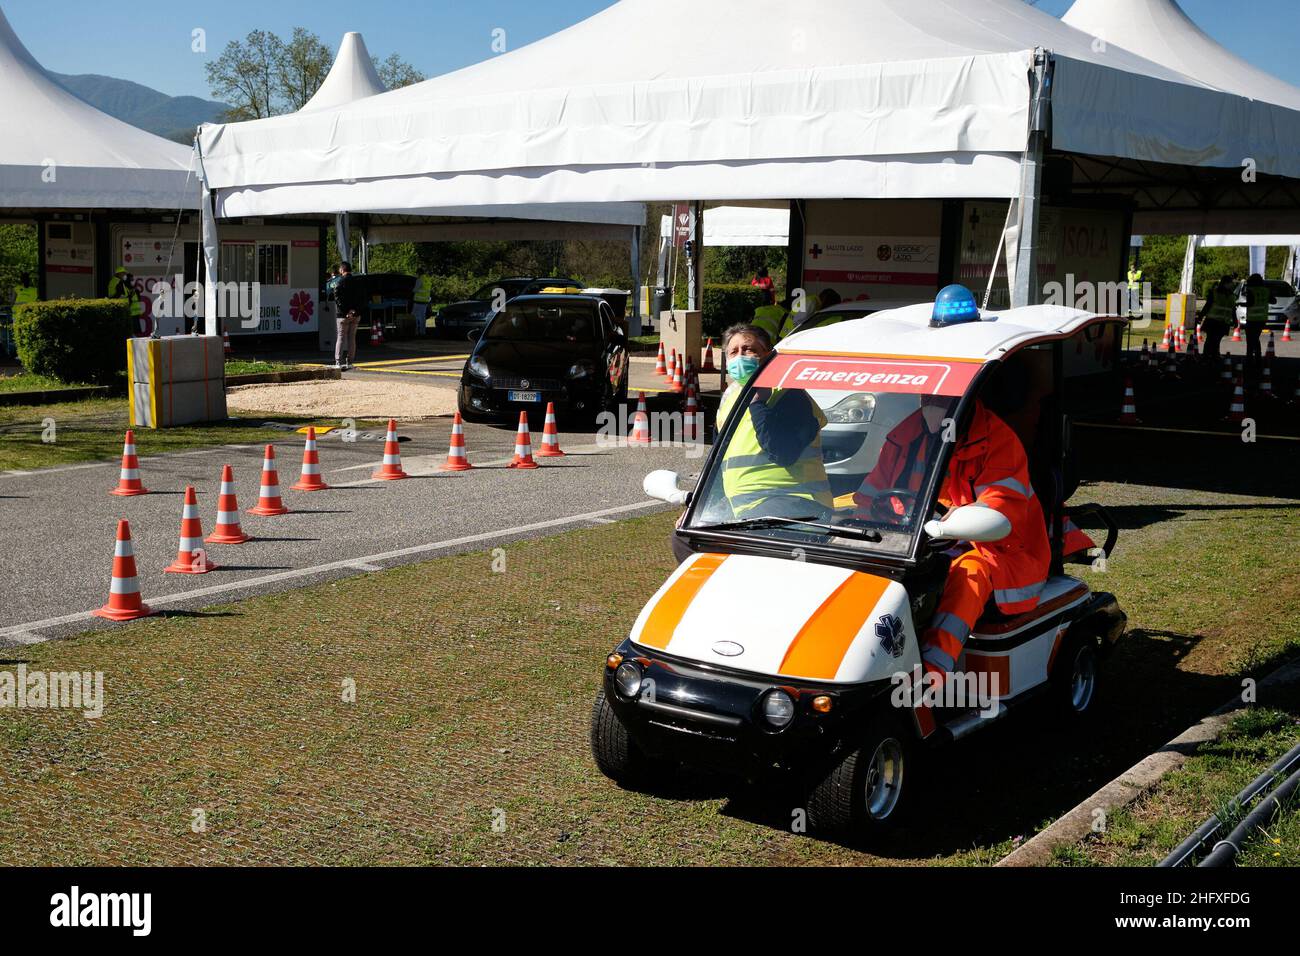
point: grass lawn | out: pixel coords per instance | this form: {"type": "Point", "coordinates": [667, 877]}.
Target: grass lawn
{"type": "Point", "coordinates": [256, 367]}
{"type": "Point", "coordinates": [92, 430]}
{"type": "Point", "coordinates": [473, 694]}
{"type": "Point", "coordinates": [29, 382]}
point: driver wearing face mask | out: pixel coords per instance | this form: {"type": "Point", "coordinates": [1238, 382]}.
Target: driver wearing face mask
{"type": "Point", "coordinates": [989, 468]}
{"type": "Point", "coordinates": [773, 463]}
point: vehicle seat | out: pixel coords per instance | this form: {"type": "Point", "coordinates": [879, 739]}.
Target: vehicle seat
{"type": "Point", "coordinates": [1058, 592]}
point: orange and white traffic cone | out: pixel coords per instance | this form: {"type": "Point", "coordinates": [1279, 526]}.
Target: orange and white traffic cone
{"type": "Point", "coordinates": [1270, 353]}
{"type": "Point", "coordinates": [672, 365]}
{"type": "Point", "coordinates": [550, 436]}
{"type": "Point", "coordinates": [1180, 339]}
{"type": "Point", "coordinates": [269, 503]}
{"type": "Point", "coordinates": [689, 376]}
{"type": "Point", "coordinates": [310, 479]}
{"type": "Point", "coordinates": [191, 556]}
{"type": "Point", "coordinates": [1286, 331]}
{"type": "Point", "coordinates": [676, 384]}
{"type": "Point", "coordinates": [1146, 355]}
{"type": "Point", "coordinates": [1237, 410]}
{"type": "Point", "coordinates": [391, 469]}
{"type": "Point", "coordinates": [1166, 343]}
{"type": "Point", "coordinates": [523, 446]}
{"type": "Point", "coordinates": [691, 429]}
{"type": "Point", "coordinates": [1266, 382]}
{"type": "Point", "coordinates": [124, 603]}
{"type": "Point", "coordinates": [1128, 412]}
{"type": "Point", "coordinates": [707, 365]}
{"type": "Point", "coordinates": [376, 332]}
{"type": "Point", "coordinates": [660, 367]}
{"type": "Point", "coordinates": [1225, 369]}
{"type": "Point", "coordinates": [640, 423]}
{"type": "Point", "coordinates": [227, 530]}
{"type": "Point", "coordinates": [1236, 332]}
{"type": "Point", "coordinates": [128, 480]}
{"type": "Point", "coordinates": [225, 344]}
{"type": "Point", "coordinates": [456, 460]}
{"type": "Point", "coordinates": [1200, 334]}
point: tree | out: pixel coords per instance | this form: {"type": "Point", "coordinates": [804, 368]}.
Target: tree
{"type": "Point", "coordinates": [18, 258]}
{"type": "Point", "coordinates": [304, 63]}
{"type": "Point", "coordinates": [246, 75]}
{"type": "Point", "coordinates": [395, 72]}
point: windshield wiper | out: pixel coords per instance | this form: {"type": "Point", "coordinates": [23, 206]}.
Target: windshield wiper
{"type": "Point", "coordinates": [772, 521]}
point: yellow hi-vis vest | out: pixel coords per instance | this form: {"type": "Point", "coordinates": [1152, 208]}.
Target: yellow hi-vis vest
{"type": "Point", "coordinates": [1257, 297]}
{"type": "Point", "coordinates": [769, 319]}
{"type": "Point", "coordinates": [1222, 307]}
{"type": "Point", "coordinates": [423, 290]}
{"type": "Point", "coordinates": [811, 306]}
{"type": "Point", "coordinates": [750, 476]}
{"type": "Point", "coordinates": [1134, 278]}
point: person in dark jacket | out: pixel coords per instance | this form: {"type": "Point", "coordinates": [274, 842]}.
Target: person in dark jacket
{"type": "Point", "coordinates": [347, 306]}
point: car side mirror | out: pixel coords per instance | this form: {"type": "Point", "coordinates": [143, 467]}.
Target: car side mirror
{"type": "Point", "coordinates": [970, 523]}
{"type": "Point", "coordinates": [662, 484]}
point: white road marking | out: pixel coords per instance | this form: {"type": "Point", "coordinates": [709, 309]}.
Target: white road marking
{"type": "Point", "coordinates": [18, 632]}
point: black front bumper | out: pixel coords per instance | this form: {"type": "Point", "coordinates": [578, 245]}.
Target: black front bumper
{"type": "Point", "coordinates": [485, 399]}
{"type": "Point", "coordinates": [710, 717]}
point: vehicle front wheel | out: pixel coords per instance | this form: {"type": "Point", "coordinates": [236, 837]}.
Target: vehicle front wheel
{"type": "Point", "coordinates": [617, 754]}
{"type": "Point", "coordinates": [871, 788]}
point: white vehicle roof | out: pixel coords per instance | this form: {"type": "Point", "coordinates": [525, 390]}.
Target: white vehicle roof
{"type": "Point", "coordinates": [907, 332]}
{"type": "Point", "coordinates": [875, 305]}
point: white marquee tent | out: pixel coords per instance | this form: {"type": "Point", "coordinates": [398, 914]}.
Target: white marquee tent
{"type": "Point", "coordinates": [829, 98]}
{"type": "Point", "coordinates": [352, 77]}
{"type": "Point", "coordinates": [59, 152]}
{"type": "Point", "coordinates": [746, 226]}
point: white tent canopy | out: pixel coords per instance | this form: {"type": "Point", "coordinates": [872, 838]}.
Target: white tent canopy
{"type": "Point", "coordinates": [59, 152]}
{"type": "Point", "coordinates": [746, 226]}
{"type": "Point", "coordinates": [352, 77]}
{"type": "Point", "coordinates": [1160, 31]}
{"type": "Point", "coordinates": [831, 98]}
{"type": "Point", "coordinates": [1222, 241]}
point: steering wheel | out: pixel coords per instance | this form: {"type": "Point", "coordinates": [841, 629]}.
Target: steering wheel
{"type": "Point", "coordinates": [893, 505]}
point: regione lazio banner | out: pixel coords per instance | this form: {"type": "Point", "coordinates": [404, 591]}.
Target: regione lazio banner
{"type": "Point", "coordinates": [861, 268]}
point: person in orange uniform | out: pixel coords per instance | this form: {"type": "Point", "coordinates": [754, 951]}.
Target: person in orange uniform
{"type": "Point", "coordinates": [988, 468]}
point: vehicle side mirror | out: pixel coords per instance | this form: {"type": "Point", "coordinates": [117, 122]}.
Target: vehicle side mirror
{"type": "Point", "coordinates": [970, 523]}
{"type": "Point", "coordinates": [663, 485]}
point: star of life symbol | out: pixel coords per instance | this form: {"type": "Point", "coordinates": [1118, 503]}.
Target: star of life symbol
{"type": "Point", "coordinates": [890, 631]}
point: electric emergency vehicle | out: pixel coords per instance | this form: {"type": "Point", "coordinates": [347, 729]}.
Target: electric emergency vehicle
{"type": "Point", "coordinates": [789, 640]}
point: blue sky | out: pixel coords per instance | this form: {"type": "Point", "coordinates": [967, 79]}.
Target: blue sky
{"type": "Point", "coordinates": [148, 41]}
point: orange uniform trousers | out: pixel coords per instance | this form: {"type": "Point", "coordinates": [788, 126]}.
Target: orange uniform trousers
{"type": "Point", "coordinates": [965, 595]}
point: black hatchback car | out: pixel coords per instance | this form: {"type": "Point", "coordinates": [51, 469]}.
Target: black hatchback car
{"type": "Point", "coordinates": [566, 349]}
{"type": "Point", "coordinates": [458, 319]}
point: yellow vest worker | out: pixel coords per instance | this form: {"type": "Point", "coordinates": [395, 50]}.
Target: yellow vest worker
{"type": "Point", "coordinates": [811, 306]}
{"type": "Point", "coordinates": [775, 451]}
{"type": "Point", "coordinates": [1134, 279]}
{"type": "Point", "coordinates": [769, 318]}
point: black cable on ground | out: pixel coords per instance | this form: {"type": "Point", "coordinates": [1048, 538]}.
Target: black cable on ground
{"type": "Point", "coordinates": [1225, 851]}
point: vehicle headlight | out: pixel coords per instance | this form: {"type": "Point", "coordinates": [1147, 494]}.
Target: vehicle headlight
{"type": "Point", "coordinates": [854, 410]}
{"type": "Point", "coordinates": [579, 370]}
{"type": "Point", "coordinates": [628, 679]}
{"type": "Point", "coordinates": [778, 708]}
{"type": "Point", "coordinates": [478, 368]}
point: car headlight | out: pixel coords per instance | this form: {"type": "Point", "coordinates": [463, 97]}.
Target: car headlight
{"type": "Point", "coordinates": [778, 708]}
{"type": "Point", "coordinates": [579, 370]}
{"type": "Point", "coordinates": [628, 679]}
{"type": "Point", "coordinates": [854, 410]}
{"type": "Point", "coordinates": [478, 368]}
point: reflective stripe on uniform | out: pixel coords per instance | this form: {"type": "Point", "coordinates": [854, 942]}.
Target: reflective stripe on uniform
{"type": "Point", "coordinates": [1008, 483]}
{"type": "Point", "coordinates": [1016, 595]}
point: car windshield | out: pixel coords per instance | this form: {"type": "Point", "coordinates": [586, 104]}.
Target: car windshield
{"type": "Point", "coordinates": [838, 454]}
{"type": "Point", "coordinates": [544, 322]}
{"type": "Point", "coordinates": [511, 288]}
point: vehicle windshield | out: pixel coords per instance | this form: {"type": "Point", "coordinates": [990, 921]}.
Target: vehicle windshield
{"type": "Point", "coordinates": [544, 322]}
{"type": "Point", "coordinates": [838, 454]}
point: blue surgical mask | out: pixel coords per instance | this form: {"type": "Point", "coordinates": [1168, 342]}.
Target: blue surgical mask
{"type": "Point", "coordinates": [742, 367]}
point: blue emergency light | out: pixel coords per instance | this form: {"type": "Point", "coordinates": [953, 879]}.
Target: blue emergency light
{"type": "Point", "coordinates": [954, 305]}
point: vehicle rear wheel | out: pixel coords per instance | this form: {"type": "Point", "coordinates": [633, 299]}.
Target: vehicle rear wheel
{"type": "Point", "coordinates": [1074, 677]}
{"type": "Point", "coordinates": [617, 754]}
{"type": "Point", "coordinates": [870, 789]}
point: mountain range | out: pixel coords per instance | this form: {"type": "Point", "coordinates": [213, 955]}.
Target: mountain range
{"type": "Point", "coordinates": [173, 117]}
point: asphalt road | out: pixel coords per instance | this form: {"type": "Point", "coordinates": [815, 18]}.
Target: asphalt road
{"type": "Point", "coordinates": [58, 525]}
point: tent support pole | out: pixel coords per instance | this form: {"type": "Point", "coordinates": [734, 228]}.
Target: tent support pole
{"type": "Point", "coordinates": [1026, 290]}
{"type": "Point", "coordinates": [695, 264]}
{"type": "Point", "coordinates": [635, 325]}
{"type": "Point", "coordinates": [210, 244]}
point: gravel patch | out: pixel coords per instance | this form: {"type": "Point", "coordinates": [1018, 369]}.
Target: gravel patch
{"type": "Point", "coordinates": [345, 398]}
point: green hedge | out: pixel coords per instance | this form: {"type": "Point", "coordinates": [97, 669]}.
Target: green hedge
{"type": "Point", "coordinates": [73, 340]}
{"type": "Point", "coordinates": [724, 305]}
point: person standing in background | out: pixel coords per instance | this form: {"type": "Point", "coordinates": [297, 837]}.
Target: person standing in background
{"type": "Point", "coordinates": [1258, 300]}
{"type": "Point", "coordinates": [763, 281]}
{"type": "Point", "coordinates": [347, 305]}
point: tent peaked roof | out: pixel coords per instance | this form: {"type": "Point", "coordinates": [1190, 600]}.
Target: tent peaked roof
{"type": "Point", "coordinates": [352, 77]}
{"type": "Point", "coordinates": [60, 152]}
{"type": "Point", "coordinates": [1160, 31]}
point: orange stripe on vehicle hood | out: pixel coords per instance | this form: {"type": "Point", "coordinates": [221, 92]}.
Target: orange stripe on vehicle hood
{"type": "Point", "coordinates": [819, 647]}
{"type": "Point", "coordinates": [668, 610]}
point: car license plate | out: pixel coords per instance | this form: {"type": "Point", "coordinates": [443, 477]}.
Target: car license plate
{"type": "Point", "coordinates": [524, 396]}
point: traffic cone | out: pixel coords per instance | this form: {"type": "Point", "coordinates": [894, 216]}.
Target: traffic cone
{"type": "Point", "coordinates": [660, 367]}
{"type": "Point", "coordinates": [456, 460]}
{"type": "Point", "coordinates": [672, 365]}
{"type": "Point", "coordinates": [227, 530]}
{"type": "Point", "coordinates": [707, 365]}
{"type": "Point", "coordinates": [268, 497]}
{"type": "Point", "coordinates": [376, 332]}
{"type": "Point", "coordinates": [1286, 331]}
{"type": "Point", "coordinates": [191, 556]}
{"type": "Point", "coordinates": [676, 384]}
{"type": "Point", "coordinates": [225, 344]}
{"type": "Point", "coordinates": [1128, 412]}
{"type": "Point", "coordinates": [1266, 383]}
{"type": "Point", "coordinates": [1200, 334]}
{"type": "Point", "coordinates": [1166, 342]}
{"type": "Point", "coordinates": [550, 436]}
{"type": "Point", "coordinates": [523, 446]}
{"type": "Point", "coordinates": [1225, 369]}
{"type": "Point", "coordinates": [688, 377]}
{"type": "Point", "coordinates": [1236, 332]}
{"type": "Point", "coordinates": [124, 603]}
{"type": "Point", "coordinates": [691, 430]}
{"type": "Point", "coordinates": [1146, 355]}
{"type": "Point", "coordinates": [128, 480]}
{"type": "Point", "coordinates": [1192, 351]}
{"type": "Point", "coordinates": [640, 423]}
{"type": "Point", "coordinates": [1270, 353]}
{"type": "Point", "coordinates": [1237, 410]}
{"type": "Point", "coordinates": [391, 469]}
{"type": "Point", "coordinates": [311, 479]}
